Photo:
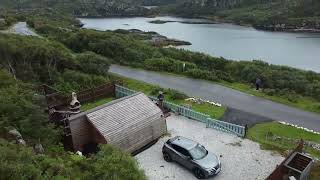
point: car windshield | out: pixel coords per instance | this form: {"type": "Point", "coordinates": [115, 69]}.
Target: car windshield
{"type": "Point", "coordinates": [198, 152]}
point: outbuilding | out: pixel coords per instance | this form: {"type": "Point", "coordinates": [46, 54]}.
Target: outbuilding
{"type": "Point", "coordinates": [129, 123]}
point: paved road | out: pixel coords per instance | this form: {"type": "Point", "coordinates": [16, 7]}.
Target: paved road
{"type": "Point", "coordinates": [22, 29]}
{"type": "Point", "coordinates": [226, 96]}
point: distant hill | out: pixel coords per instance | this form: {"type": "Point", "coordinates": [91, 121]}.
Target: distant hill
{"type": "Point", "coordinates": [82, 7]}
{"type": "Point", "coordinates": [266, 13]}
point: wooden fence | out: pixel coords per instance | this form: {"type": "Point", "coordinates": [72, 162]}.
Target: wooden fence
{"type": "Point", "coordinates": [186, 112]}
{"type": "Point", "coordinates": [281, 169]}
{"type": "Point", "coordinates": [58, 100]}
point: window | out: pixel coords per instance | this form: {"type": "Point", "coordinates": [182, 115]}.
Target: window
{"type": "Point", "coordinates": [198, 152]}
{"type": "Point", "coordinates": [181, 150]}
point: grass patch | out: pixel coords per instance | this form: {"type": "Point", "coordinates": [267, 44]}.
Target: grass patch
{"type": "Point", "coordinates": [300, 102]}
{"type": "Point", "coordinates": [258, 133]}
{"type": "Point", "coordinates": [100, 102]}
{"type": "Point", "coordinates": [214, 111]}
{"type": "Point", "coordinates": [305, 103]}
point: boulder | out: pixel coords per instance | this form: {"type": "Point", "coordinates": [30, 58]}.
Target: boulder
{"type": "Point", "coordinates": [2, 22]}
{"type": "Point", "coordinates": [15, 133]}
{"type": "Point", "coordinates": [38, 148]}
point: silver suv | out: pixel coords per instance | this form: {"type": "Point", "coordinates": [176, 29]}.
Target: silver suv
{"type": "Point", "coordinates": [191, 155]}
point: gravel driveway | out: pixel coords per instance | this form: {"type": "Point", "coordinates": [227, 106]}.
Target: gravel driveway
{"type": "Point", "coordinates": [240, 158]}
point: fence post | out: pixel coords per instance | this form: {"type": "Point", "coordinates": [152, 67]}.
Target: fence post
{"type": "Point", "coordinates": [245, 130]}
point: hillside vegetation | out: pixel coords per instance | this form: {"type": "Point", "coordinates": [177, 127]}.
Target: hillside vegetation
{"type": "Point", "coordinates": [285, 15]}
{"type": "Point", "coordinates": [129, 49]}
{"type": "Point", "coordinates": [70, 59]}
{"type": "Point", "coordinates": [93, 8]}
{"type": "Point", "coordinates": [291, 13]}
{"type": "Point", "coordinates": [26, 63]}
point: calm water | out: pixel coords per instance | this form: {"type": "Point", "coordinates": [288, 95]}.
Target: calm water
{"type": "Point", "coordinates": [301, 50]}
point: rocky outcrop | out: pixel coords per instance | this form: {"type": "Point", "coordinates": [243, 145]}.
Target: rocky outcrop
{"type": "Point", "coordinates": [303, 27]}
{"type": "Point", "coordinates": [217, 4]}
{"type": "Point", "coordinates": [157, 21]}
{"type": "Point", "coordinates": [103, 8]}
{"type": "Point", "coordinates": [154, 38]}
{"type": "Point", "coordinates": [16, 135]}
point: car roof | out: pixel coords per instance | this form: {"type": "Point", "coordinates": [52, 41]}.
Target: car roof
{"type": "Point", "coordinates": [184, 142]}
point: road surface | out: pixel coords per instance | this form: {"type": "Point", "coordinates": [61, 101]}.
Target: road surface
{"type": "Point", "coordinates": [227, 96]}
{"type": "Point", "coordinates": [22, 29]}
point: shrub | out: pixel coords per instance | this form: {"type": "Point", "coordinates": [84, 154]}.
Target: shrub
{"type": "Point", "coordinates": [176, 95]}
{"type": "Point", "coordinates": [111, 163]}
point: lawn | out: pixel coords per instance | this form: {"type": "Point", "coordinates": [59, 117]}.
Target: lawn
{"type": "Point", "coordinates": [100, 102]}
{"type": "Point", "coordinates": [258, 133]}
{"type": "Point", "coordinates": [305, 103]}
{"type": "Point", "coordinates": [301, 102]}
{"type": "Point", "coordinates": [214, 111]}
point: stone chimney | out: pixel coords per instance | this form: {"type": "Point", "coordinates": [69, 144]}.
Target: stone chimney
{"type": "Point", "coordinates": [75, 104]}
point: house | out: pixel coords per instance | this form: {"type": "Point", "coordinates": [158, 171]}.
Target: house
{"type": "Point", "coordinates": [129, 123]}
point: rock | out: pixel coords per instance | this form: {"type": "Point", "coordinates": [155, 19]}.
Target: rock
{"type": "Point", "coordinates": [38, 148]}
{"type": "Point", "coordinates": [15, 133]}
{"type": "Point", "coordinates": [2, 22]}
{"type": "Point", "coordinates": [79, 153]}
{"type": "Point", "coordinates": [21, 142]}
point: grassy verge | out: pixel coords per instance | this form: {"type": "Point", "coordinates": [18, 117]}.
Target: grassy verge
{"type": "Point", "coordinates": [259, 133]}
{"type": "Point", "coordinates": [100, 102]}
{"type": "Point", "coordinates": [305, 103]}
{"type": "Point", "coordinates": [300, 102]}
{"type": "Point", "coordinates": [214, 111]}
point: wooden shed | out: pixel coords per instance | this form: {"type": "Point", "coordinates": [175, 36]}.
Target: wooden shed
{"type": "Point", "coordinates": [130, 123]}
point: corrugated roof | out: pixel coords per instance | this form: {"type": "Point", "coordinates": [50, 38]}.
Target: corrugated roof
{"type": "Point", "coordinates": [116, 116]}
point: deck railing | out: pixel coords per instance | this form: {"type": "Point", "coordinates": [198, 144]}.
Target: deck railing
{"type": "Point", "coordinates": [189, 113]}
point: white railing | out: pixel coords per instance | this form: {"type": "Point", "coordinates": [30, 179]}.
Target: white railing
{"type": "Point", "coordinates": [186, 112]}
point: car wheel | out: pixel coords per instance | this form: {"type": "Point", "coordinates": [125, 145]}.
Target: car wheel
{"type": "Point", "coordinates": [167, 157]}
{"type": "Point", "coordinates": [198, 173]}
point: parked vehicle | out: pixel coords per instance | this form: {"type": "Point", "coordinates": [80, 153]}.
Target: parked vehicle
{"type": "Point", "coordinates": [191, 155]}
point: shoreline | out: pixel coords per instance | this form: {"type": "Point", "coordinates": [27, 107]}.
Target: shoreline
{"type": "Point", "coordinates": [267, 28]}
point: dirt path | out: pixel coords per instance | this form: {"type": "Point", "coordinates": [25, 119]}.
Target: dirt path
{"type": "Point", "coordinates": [22, 29]}
{"type": "Point", "coordinates": [227, 96]}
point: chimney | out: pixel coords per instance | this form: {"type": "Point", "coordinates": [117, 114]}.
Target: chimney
{"type": "Point", "coordinates": [74, 104]}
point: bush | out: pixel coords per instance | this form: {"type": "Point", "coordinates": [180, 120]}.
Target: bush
{"type": "Point", "coordinates": [155, 90]}
{"type": "Point", "coordinates": [202, 74]}
{"type": "Point", "coordinates": [71, 81]}
{"type": "Point", "coordinates": [20, 108]}
{"type": "Point", "coordinates": [111, 163]}
{"type": "Point", "coordinates": [19, 162]}
{"type": "Point", "coordinates": [176, 95]}
{"type": "Point", "coordinates": [270, 92]}
{"type": "Point", "coordinates": [167, 65]}
{"type": "Point", "coordinates": [92, 63]}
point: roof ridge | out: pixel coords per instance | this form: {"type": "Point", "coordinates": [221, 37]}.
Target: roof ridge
{"type": "Point", "coordinates": [103, 106]}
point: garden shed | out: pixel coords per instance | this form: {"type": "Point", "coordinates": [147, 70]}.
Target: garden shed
{"type": "Point", "coordinates": [129, 123]}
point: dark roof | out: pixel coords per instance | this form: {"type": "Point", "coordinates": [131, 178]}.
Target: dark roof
{"type": "Point", "coordinates": [184, 142]}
